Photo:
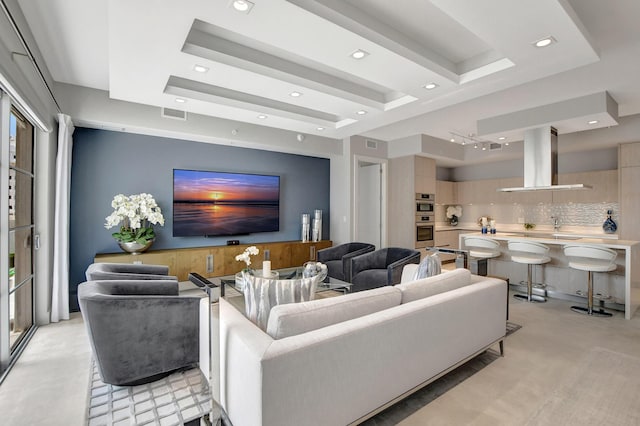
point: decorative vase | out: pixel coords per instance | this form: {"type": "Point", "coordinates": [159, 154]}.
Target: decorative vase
{"type": "Point", "coordinates": [454, 220]}
{"type": "Point", "coordinates": [241, 278]}
{"type": "Point", "coordinates": [134, 247]}
{"type": "Point", "coordinates": [609, 226]}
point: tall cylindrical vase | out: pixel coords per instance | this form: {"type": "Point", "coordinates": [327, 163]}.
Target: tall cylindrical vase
{"type": "Point", "coordinates": [317, 225]}
{"type": "Point", "coordinates": [305, 227]}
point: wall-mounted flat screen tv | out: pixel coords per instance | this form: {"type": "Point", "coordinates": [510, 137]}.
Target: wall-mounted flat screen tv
{"type": "Point", "coordinates": [207, 203]}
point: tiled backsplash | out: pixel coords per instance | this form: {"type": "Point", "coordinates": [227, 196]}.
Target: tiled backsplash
{"type": "Point", "coordinates": [569, 214]}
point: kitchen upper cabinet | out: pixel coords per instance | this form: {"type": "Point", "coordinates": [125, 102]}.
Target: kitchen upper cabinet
{"type": "Point", "coordinates": [604, 187]}
{"type": "Point", "coordinates": [629, 190]}
{"type": "Point", "coordinates": [425, 175]}
{"type": "Point", "coordinates": [629, 225]}
{"type": "Point", "coordinates": [446, 192]}
{"type": "Point", "coordinates": [629, 155]}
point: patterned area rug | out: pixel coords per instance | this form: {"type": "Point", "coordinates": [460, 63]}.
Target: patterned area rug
{"type": "Point", "coordinates": [174, 400]}
{"type": "Point", "coordinates": [602, 390]}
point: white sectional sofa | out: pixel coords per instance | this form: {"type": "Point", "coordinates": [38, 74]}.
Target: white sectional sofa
{"type": "Point", "coordinates": [336, 361]}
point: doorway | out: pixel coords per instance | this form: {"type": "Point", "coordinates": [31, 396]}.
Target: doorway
{"type": "Point", "coordinates": [369, 209]}
{"type": "Point", "coordinates": [16, 249]}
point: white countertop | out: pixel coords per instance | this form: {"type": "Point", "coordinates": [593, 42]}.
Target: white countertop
{"type": "Point", "coordinates": [560, 239]}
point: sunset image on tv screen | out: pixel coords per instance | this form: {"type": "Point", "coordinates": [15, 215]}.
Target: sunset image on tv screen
{"type": "Point", "coordinates": [216, 203]}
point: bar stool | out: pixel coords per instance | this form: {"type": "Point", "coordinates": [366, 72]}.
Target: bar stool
{"type": "Point", "coordinates": [482, 248]}
{"type": "Point", "coordinates": [530, 253]}
{"type": "Point", "coordinates": [591, 259]}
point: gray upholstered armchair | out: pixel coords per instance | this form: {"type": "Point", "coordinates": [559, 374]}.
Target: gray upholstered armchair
{"type": "Point", "coordinates": [127, 271]}
{"type": "Point", "coordinates": [381, 267]}
{"type": "Point", "coordinates": [139, 331]}
{"type": "Point", "coordinates": [338, 258]}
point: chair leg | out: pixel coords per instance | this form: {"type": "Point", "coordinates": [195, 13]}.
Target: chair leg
{"type": "Point", "coordinates": [589, 309]}
{"type": "Point", "coordinates": [530, 297]}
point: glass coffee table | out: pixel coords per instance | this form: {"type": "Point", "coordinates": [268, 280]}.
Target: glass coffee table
{"type": "Point", "coordinates": [288, 285]}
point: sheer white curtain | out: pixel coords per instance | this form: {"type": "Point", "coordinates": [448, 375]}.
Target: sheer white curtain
{"type": "Point", "coordinates": [60, 290]}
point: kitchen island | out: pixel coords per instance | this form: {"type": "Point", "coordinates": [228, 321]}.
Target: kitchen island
{"type": "Point", "coordinates": [622, 285]}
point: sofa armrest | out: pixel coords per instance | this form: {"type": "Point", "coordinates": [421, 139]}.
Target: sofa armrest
{"type": "Point", "coordinates": [106, 271]}
{"type": "Point", "coordinates": [346, 260]}
{"type": "Point", "coordinates": [331, 253]}
{"type": "Point", "coordinates": [394, 270]}
{"type": "Point", "coordinates": [136, 287]}
{"type": "Point", "coordinates": [242, 348]}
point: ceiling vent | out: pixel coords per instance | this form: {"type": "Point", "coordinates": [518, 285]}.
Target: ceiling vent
{"type": "Point", "coordinates": [176, 114]}
{"type": "Point", "coordinates": [372, 144]}
{"type": "Point", "coordinates": [493, 146]}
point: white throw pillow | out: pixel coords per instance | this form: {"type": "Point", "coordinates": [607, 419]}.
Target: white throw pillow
{"type": "Point", "coordinates": [437, 284]}
{"type": "Point", "coordinates": [297, 318]}
{"type": "Point", "coordinates": [431, 265]}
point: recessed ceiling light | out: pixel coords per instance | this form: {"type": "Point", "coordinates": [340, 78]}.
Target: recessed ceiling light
{"type": "Point", "coordinates": [475, 146]}
{"type": "Point", "coordinates": [359, 54]}
{"type": "Point", "coordinates": [262, 117]}
{"type": "Point", "coordinates": [484, 148]}
{"type": "Point", "coordinates": [506, 143]}
{"type": "Point", "coordinates": [320, 129]}
{"type": "Point", "coordinates": [501, 138]}
{"type": "Point", "coordinates": [593, 122]}
{"type": "Point", "coordinates": [452, 140]}
{"type": "Point", "coordinates": [244, 6]}
{"type": "Point", "coordinates": [295, 94]}
{"type": "Point", "coordinates": [200, 68]}
{"type": "Point", "coordinates": [180, 100]}
{"type": "Point", "coordinates": [430, 86]}
{"type": "Point", "coordinates": [361, 112]}
{"type": "Point", "coordinates": [464, 142]}
{"type": "Point", "coordinates": [544, 42]}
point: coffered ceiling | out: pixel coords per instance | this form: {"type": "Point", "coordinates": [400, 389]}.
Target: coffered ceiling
{"type": "Point", "coordinates": [288, 64]}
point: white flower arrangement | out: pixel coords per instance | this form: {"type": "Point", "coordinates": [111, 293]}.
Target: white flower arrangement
{"type": "Point", "coordinates": [454, 211]}
{"type": "Point", "coordinates": [134, 214]}
{"type": "Point", "coordinates": [245, 256]}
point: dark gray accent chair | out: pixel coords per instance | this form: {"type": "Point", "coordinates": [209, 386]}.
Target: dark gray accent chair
{"type": "Point", "coordinates": [338, 258]}
{"type": "Point", "coordinates": [381, 267]}
{"type": "Point", "coordinates": [127, 271]}
{"type": "Point", "coordinates": [139, 331]}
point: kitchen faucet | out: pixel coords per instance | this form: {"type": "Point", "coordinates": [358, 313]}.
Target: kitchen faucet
{"type": "Point", "coordinates": [556, 223]}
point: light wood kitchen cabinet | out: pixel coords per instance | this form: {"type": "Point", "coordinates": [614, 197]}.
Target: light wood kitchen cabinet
{"type": "Point", "coordinates": [629, 155]}
{"type": "Point", "coordinates": [446, 192]}
{"type": "Point", "coordinates": [447, 239]}
{"type": "Point", "coordinates": [407, 176]}
{"type": "Point", "coordinates": [425, 175]}
{"type": "Point", "coordinates": [604, 187]}
{"type": "Point", "coordinates": [465, 192]}
{"type": "Point", "coordinates": [629, 190]}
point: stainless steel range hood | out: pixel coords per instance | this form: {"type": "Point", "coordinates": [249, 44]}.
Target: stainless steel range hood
{"type": "Point", "coordinates": [541, 162]}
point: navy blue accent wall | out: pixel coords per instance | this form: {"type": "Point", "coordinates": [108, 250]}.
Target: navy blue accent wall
{"type": "Point", "coordinates": [106, 163]}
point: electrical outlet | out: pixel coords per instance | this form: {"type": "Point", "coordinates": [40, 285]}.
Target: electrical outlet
{"type": "Point", "coordinates": [521, 220]}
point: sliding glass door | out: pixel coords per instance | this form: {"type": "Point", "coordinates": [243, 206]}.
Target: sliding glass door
{"type": "Point", "coordinates": [16, 233]}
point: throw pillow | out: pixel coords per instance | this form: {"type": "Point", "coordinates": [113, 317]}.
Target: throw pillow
{"type": "Point", "coordinates": [430, 266]}
{"type": "Point", "coordinates": [297, 318]}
